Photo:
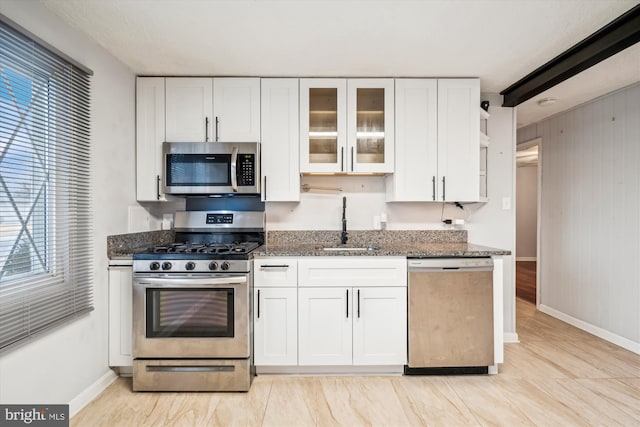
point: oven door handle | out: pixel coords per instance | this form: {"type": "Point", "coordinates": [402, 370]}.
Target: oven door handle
{"type": "Point", "coordinates": [179, 281]}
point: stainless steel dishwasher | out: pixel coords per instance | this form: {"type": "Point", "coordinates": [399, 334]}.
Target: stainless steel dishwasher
{"type": "Point", "coordinates": [450, 316]}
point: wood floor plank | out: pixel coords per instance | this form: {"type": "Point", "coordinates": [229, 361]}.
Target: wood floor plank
{"type": "Point", "coordinates": [351, 401]}
{"type": "Point", "coordinates": [526, 280]}
{"type": "Point", "coordinates": [488, 402]}
{"type": "Point", "coordinates": [432, 402]}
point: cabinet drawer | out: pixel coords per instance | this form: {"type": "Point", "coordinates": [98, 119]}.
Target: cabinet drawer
{"type": "Point", "coordinates": [276, 271]}
{"type": "Point", "coordinates": [352, 271]}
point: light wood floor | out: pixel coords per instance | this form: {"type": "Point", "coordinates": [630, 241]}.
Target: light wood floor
{"type": "Point", "coordinates": [557, 376]}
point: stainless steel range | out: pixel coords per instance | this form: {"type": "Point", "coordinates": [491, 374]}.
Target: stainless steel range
{"type": "Point", "coordinates": [192, 309]}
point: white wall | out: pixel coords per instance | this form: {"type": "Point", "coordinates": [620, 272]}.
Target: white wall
{"type": "Point", "coordinates": [59, 366]}
{"type": "Point", "coordinates": [590, 222]}
{"type": "Point", "coordinates": [526, 212]}
{"type": "Point", "coordinates": [488, 224]}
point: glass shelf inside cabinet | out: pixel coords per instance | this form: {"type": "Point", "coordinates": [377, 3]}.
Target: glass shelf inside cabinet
{"type": "Point", "coordinates": [370, 125]}
{"type": "Point", "coordinates": [323, 125]}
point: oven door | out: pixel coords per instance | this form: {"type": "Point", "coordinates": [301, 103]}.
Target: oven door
{"type": "Point", "coordinates": [189, 317]}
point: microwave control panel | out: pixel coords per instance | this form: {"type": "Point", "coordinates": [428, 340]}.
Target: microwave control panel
{"type": "Point", "coordinates": [246, 170]}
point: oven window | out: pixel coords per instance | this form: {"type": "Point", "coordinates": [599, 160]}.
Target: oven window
{"type": "Point", "coordinates": [198, 170]}
{"type": "Point", "coordinates": [189, 312]}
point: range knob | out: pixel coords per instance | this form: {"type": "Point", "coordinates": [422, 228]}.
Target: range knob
{"type": "Point", "coordinates": [190, 265]}
{"type": "Point", "coordinates": [166, 265]}
{"type": "Point", "coordinates": [213, 265]}
{"type": "Point", "coordinates": [154, 265]}
{"type": "Point", "coordinates": [225, 266]}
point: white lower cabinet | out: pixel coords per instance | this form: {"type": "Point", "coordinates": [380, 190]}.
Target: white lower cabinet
{"type": "Point", "coordinates": [325, 325]}
{"type": "Point", "coordinates": [330, 311]}
{"type": "Point", "coordinates": [352, 326]}
{"type": "Point", "coordinates": [379, 326]}
{"type": "Point", "coordinates": [275, 311]}
{"type": "Point", "coordinates": [120, 312]}
{"type": "Point", "coordinates": [275, 326]}
{"type": "Point", "coordinates": [352, 310]}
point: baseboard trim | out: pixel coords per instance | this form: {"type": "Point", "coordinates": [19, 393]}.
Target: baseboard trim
{"type": "Point", "coordinates": [623, 342]}
{"type": "Point", "coordinates": [526, 258]}
{"type": "Point", "coordinates": [511, 338]}
{"type": "Point", "coordinates": [90, 393]}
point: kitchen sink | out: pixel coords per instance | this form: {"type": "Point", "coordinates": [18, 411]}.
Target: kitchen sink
{"type": "Point", "coordinates": [351, 248]}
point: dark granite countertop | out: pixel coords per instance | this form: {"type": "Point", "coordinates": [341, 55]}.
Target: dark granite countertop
{"type": "Point", "coordinates": [122, 246]}
{"type": "Point", "coordinates": [409, 243]}
{"type": "Point", "coordinates": [414, 250]}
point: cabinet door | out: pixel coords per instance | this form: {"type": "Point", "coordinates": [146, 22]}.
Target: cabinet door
{"type": "Point", "coordinates": [324, 326]}
{"type": "Point", "coordinates": [275, 326]}
{"type": "Point", "coordinates": [280, 140]}
{"type": "Point", "coordinates": [380, 326]}
{"type": "Point", "coordinates": [189, 109]}
{"type": "Point", "coordinates": [323, 123]}
{"type": "Point", "coordinates": [236, 109]}
{"type": "Point", "coordinates": [416, 145]}
{"type": "Point", "coordinates": [120, 311]}
{"type": "Point", "coordinates": [149, 138]}
{"type": "Point", "coordinates": [370, 121]}
{"type": "Point", "coordinates": [459, 139]}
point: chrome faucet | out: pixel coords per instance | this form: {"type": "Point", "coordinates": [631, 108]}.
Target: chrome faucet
{"type": "Point", "coordinates": [344, 234]}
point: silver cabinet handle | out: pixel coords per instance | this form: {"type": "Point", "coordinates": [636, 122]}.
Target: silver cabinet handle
{"type": "Point", "coordinates": [265, 188]}
{"type": "Point", "coordinates": [158, 187]}
{"type": "Point", "coordinates": [444, 187]}
{"type": "Point", "coordinates": [206, 129]}
{"type": "Point", "coordinates": [341, 159]}
{"type": "Point", "coordinates": [274, 266]}
{"type": "Point", "coordinates": [217, 133]}
{"type": "Point", "coordinates": [234, 167]}
{"type": "Point", "coordinates": [358, 303]}
{"type": "Point", "coordinates": [433, 187]}
{"type": "Point", "coordinates": [351, 159]}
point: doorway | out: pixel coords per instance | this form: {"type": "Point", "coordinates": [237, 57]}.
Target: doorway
{"type": "Point", "coordinates": [528, 180]}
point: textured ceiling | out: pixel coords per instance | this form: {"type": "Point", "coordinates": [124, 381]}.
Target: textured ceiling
{"type": "Point", "coordinates": [499, 41]}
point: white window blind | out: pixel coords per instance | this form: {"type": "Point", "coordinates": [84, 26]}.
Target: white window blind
{"type": "Point", "coordinates": [45, 219]}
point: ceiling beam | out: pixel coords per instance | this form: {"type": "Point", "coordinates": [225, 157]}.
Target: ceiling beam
{"type": "Point", "coordinates": [614, 37]}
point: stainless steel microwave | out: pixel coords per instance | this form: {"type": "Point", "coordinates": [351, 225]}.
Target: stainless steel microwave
{"type": "Point", "coordinates": [209, 168]}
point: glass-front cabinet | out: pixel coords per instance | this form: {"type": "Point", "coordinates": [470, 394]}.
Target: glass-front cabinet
{"type": "Point", "coordinates": [346, 125]}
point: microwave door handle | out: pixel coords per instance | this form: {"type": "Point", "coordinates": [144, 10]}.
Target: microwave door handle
{"type": "Point", "coordinates": [234, 169]}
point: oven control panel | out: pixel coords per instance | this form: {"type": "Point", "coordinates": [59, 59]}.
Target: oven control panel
{"type": "Point", "coordinates": [191, 266]}
{"type": "Point", "coordinates": [216, 218]}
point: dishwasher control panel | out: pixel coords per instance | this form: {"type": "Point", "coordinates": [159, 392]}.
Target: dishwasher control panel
{"type": "Point", "coordinates": [449, 263]}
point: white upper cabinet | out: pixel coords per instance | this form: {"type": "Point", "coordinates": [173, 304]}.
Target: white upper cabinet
{"type": "Point", "coordinates": [280, 140]}
{"type": "Point", "coordinates": [323, 125]}
{"type": "Point", "coordinates": [416, 169]}
{"type": "Point", "coordinates": [437, 141]}
{"type": "Point", "coordinates": [150, 129]}
{"type": "Point", "coordinates": [236, 109]}
{"type": "Point", "coordinates": [346, 125]}
{"type": "Point", "coordinates": [370, 125]}
{"type": "Point", "coordinates": [203, 109]}
{"type": "Point", "coordinates": [458, 139]}
{"type": "Point", "coordinates": [189, 109]}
